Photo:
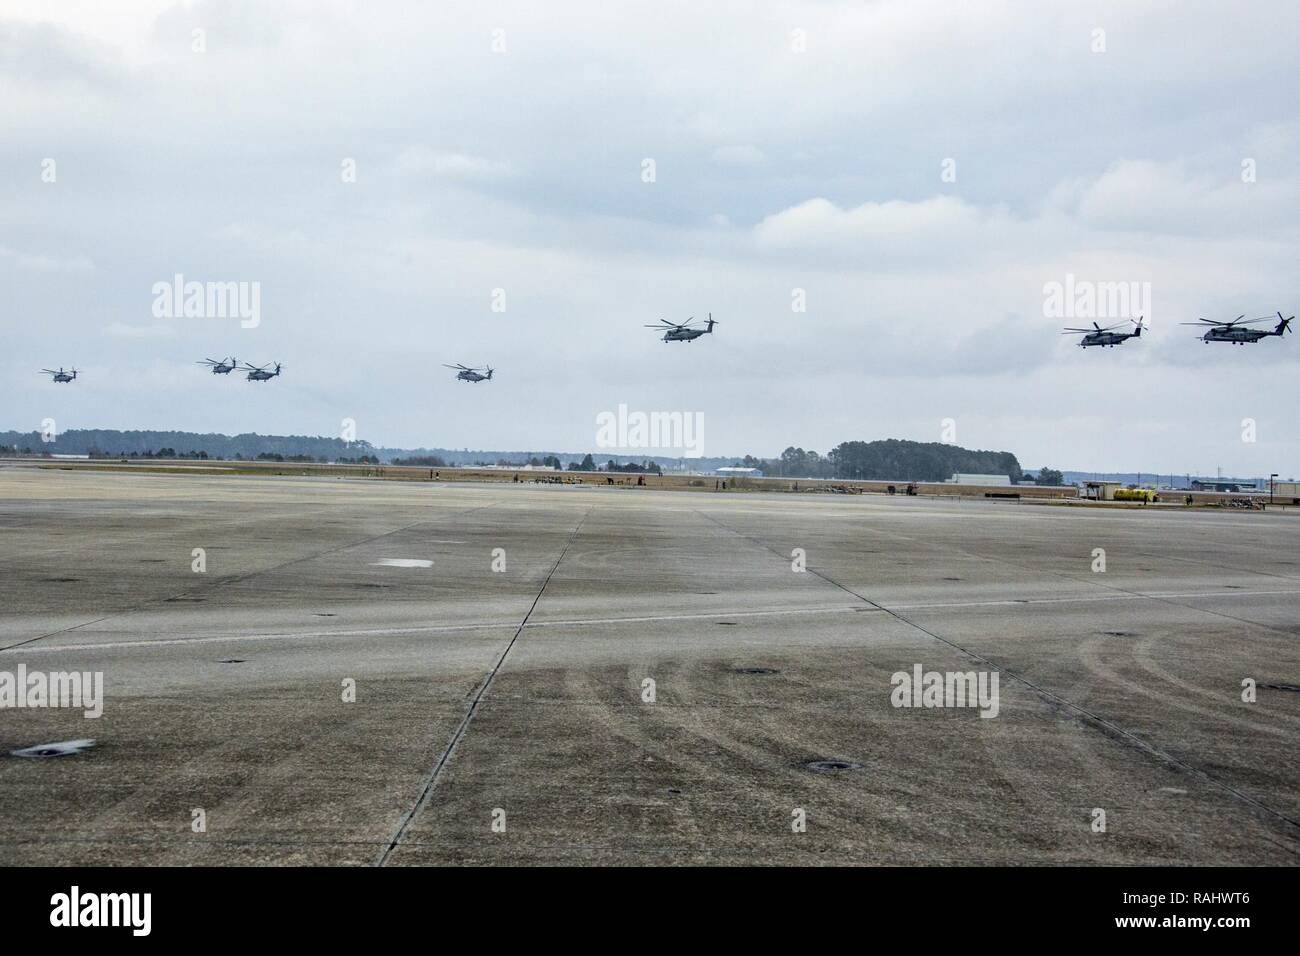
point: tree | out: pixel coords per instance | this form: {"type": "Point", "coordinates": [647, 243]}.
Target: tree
{"type": "Point", "coordinates": [1050, 476]}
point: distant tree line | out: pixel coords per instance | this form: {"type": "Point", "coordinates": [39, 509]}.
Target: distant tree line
{"type": "Point", "coordinates": [887, 459]}
{"type": "Point", "coordinates": [424, 461]}
{"type": "Point", "coordinates": [890, 458]}
{"type": "Point", "coordinates": [165, 444]}
{"type": "Point", "coordinates": [648, 467]}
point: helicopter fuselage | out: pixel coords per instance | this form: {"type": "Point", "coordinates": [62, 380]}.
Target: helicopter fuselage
{"type": "Point", "coordinates": [1106, 338]}
{"type": "Point", "coordinates": [1236, 336]}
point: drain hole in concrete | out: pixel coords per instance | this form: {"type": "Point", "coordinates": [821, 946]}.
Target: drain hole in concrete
{"type": "Point", "coordinates": [1120, 633]}
{"type": "Point", "coordinates": [952, 579]}
{"type": "Point", "coordinates": [1291, 687]}
{"type": "Point", "coordinates": [727, 623]}
{"type": "Point", "coordinates": [234, 660]}
{"type": "Point", "coordinates": [64, 748]}
{"type": "Point", "coordinates": [757, 670]}
{"type": "Point", "coordinates": [832, 766]}
{"type": "Point", "coordinates": [674, 791]}
{"type": "Point", "coordinates": [326, 615]}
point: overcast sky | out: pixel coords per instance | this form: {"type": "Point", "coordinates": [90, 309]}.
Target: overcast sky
{"type": "Point", "coordinates": [801, 146]}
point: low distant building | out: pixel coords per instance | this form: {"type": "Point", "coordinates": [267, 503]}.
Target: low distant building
{"type": "Point", "coordinates": [961, 478]}
{"type": "Point", "coordinates": [1101, 490]}
{"type": "Point", "coordinates": [735, 471]}
{"type": "Point", "coordinates": [1230, 485]}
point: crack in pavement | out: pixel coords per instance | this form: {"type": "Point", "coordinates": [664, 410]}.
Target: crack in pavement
{"type": "Point", "coordinates": [1089, 717]}
{"type": "Point", "coordinates": [432, 781]}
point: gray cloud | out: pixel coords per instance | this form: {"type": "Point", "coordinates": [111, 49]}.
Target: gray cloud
{"type": "Point", "coordinates": [775, 171]}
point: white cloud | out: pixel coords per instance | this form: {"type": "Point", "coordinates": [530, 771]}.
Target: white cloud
{"type": "Point", "coordinates": [425, 161]}
{"type": "Point", "coordinates": [738, 156]}
{"type": "Point", "coordinates": [37, 262]}
{"type": "Point", "coordinates": [776, 170]}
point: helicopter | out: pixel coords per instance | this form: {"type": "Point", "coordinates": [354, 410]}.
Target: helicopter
{"type": "Point", "coordinates": [259, 373]}
{"type": "Point", "coordinates": [466, 374]}
{"type": "Point", "coordinates": [60, 375]}
{"type": "Point", "coordinates": [221, 368]}
{"type": "Point", "coordinates": [1229, 331]}
{"type": "Point", "coordinates": [1104, 337]}
{"type": "Point", "coordinates": [674, 332]}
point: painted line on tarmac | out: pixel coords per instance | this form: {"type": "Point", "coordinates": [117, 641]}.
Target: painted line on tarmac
{"type": "Point", "coordinates": [608, 621]}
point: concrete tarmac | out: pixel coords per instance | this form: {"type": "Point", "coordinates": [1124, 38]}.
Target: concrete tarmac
{"type": "Point", "coordinates": [644, 678]}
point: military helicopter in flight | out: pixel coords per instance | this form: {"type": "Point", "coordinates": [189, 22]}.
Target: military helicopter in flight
{"type": "Point", "coordinates": [1104, 337]}
{"type": "Point", "coordinates": [1230, 331]}
{"type": "Point", "coordinates": [467, 374]}
{"type": "Point", "coordinates": [259, 373]}
{"type": "Point", "coordinates": [60, 375]}
{"type": "Point", "coordinates": [223, 367]}
{"type": "Point", "coordinates": [683, 332]}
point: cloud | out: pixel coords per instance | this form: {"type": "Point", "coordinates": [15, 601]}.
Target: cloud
{"type": "Point", "coordinates": [895, 232]}
{"type": "Point", "coordinates": [37, 262]}
{"type": "Point", "coordinates": [777, 170]}
{"type": "Point", "coordinates": [421, 161]}
{"type": "Point", "coordinates": [156, 330]}
{"type": "Point", "coordinates": [738, 156]}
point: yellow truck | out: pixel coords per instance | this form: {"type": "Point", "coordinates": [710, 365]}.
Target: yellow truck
{"type": "Point", "coordinates": [1144, 495]}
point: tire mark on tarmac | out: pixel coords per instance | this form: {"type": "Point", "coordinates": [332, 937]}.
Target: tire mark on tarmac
{"type": "Point", "coordinates": [235, 578]}
{"type": "Point", "coordinates": [1088, 717]}
{"type": "Point", "coordinates": [432, 780]}
{"type": "Point", "coordinates": [1113, 588]}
